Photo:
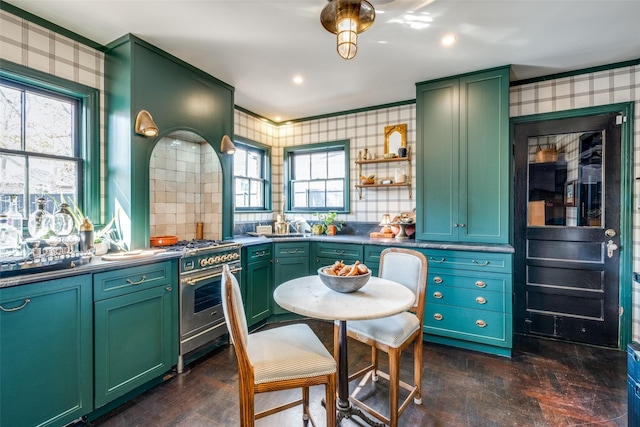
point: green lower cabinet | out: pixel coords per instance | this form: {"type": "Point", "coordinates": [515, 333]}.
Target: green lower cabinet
{"type": "Point", "coordinates": [326, 253]}
{"type": "Point", "coordinates": [46, 351]}
{"type": "Point", "coordinates": [134, 338]}
{"type": "Point", "coordinates": [372, 257]}
{"type": "Point", "coordinates": [291, 260]}
{"type": "Point", "coordinates": [257, 278]}
{"type": "Point", "coordinates": [469, 300]}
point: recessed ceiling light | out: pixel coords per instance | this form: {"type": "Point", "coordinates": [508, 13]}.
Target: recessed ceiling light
{"type": "Point", "coordinates": [277, 118]}
{"type": "Point", "coordinates": [298, 80]}
{"type": "Point", "coordinates": [448, 40]}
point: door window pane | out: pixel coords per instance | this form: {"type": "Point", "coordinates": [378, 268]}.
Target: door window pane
{"type": "Point", "coordinates": [566, 180]}
{"type": "Point", "coordinates": [10, 110]}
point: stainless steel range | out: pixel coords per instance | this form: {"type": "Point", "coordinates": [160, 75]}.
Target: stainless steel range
{"type": "Point", "coordinates": [201, 315]}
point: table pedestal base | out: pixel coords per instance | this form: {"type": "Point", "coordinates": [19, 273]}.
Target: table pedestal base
{"type": "Point", "coordinates": [347, 410]}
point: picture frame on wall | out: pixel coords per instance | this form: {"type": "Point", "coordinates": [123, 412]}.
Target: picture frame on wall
{"type": "Point", "coordinates": [570, 194]}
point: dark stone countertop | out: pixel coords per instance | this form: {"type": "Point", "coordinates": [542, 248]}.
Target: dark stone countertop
{"type": "Point", "coordinates": [95, 265]}
{"type": "Point", "coordinates": [359, 239]}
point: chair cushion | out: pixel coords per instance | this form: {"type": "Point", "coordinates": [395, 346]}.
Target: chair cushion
{"type": "Point", "coordinates": [286, 352]}
{"type": "Point", "coordinates": [392, 331]}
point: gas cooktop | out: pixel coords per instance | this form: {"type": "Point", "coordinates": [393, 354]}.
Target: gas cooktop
{"type": "Point", "coordinates": [199, 245]}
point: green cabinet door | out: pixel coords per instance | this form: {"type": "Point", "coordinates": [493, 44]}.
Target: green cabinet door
{"type": "Point", "coordinates": [257, 279]}
{"type": "Point", "coordinates": [46, 370]}
{"type": "Point", "coordinates": [463, 145]}
{"type": "Point", "coordinates": [291, 260]}
{"type": "Point", "coordinates": [133, 340]}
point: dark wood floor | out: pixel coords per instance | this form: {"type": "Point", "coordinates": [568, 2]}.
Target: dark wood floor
{"type": "Point", "coordinates": [545, 383]}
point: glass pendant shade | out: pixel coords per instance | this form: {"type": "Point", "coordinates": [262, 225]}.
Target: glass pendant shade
{"type": "Point", "coordinates": [347, 19]}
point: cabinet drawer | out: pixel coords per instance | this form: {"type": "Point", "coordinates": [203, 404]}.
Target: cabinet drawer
{"type": "Point", "coordinates": [291, 249]}
{"type": "Point", "coordinates": [259, 252]}
{"type": "Point", "coordinates": [469, 280]}
{"type": "Point", "coordinates": [338, 252]}
{"type": "Point", "coordinates": [372, 254]}
{"type": "Point", "coordinates": [119, 282]}
{"type": "Point", "coordinates": [481, 326]}
{"type": "Point", "coordinates": [479, 261]}
{"type": "Point", "coordinates": [469, 298]}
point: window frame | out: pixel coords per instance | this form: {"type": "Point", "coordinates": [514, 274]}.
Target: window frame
{"type": "Point", "coordinates": [250, 145]}
{"type": "Point", "coordinates": [343, 145]}
{"type": "Point", "coordinates": [88, 126]}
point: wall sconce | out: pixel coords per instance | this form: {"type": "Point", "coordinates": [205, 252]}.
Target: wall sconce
{"type": "Point", "coordinates": [385, 223]}
{"type": "Point", "coordinates": [347, 19]}
{"type": "Point", "coordinates": [226, 146]}
{"type": "Point", "coordinates": [145, 124]}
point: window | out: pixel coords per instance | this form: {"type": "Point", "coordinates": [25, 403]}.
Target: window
{"type": "Point", "coordinates": [317, 177]}
{"type": "Point", "coordinates": [49, 141]}
{"type": "Point", "coordinates": [251, 172]}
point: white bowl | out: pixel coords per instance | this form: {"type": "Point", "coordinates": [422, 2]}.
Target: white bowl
{"type": "Point", "coordinates": [344, 284]}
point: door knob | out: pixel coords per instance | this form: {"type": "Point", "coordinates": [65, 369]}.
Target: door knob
{"type": "Point", "coordinates": [610, 248]}
{"type": "Point", "coordinates": [610, 232]}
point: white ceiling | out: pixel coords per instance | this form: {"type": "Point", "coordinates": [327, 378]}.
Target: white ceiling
{"type": "Point", "coordinates": [258, 46]}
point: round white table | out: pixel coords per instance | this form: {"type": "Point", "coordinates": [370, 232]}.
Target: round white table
{"type": "Point", "coordinates": [308, 296]}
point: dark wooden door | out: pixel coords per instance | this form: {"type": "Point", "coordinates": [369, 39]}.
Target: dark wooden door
{"type": "Point", "coordinates": [567, 227]}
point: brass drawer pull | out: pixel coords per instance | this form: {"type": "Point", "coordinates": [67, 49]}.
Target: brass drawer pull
{"type": "Point", "coordinates": [437, 295]}
{"type": "Point", "coordinates": [338, 252]}
{"type": "Point", "coordinates": [437, 280]}
{"type": "Point", "coordinates": [481, 300]}
{"type": "Point", "coordinates": [481, 284]}
{"type": "Point", "coordinates": [437, 260]}
{"type": "Point", "coordinates": [481, 323]}
{"type": "Point", "coordinates": [438, 316]}
{"type": "Point", "coordinates": [483, 264]}
{"type": "Point", "coordinates": [142, 279]}
{"type": "Point", "coordinates": [260, 254]}
{"type": "Point", "coordinates": [295, 251]}
{"type": "Point", "coordinates": [24, 304]}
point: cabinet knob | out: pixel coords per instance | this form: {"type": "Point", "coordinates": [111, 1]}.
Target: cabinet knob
{"type": "Point", "coordinates": [438, 316]}
{"type": "Point", "coordinates": [461, 225]}
{"type": "Point", "coordinates": [481, 300]}
{"type": "Point", "coordinates": [437, 295]}
{"type": "Point", "coordinates": [437, 280]}
{"type": "Point", "coordinates": [481, 323]}
{"type": "Point", "coordinates": [455, 225]}
{"type": "Point", "coordinates": [481, 284]}
{"type": "Point", "coordinates": [169, 288]}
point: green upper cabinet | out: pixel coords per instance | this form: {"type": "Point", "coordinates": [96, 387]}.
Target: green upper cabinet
{"type": "Point", "coordinates": [139, 76]}
{"type": "Point", "coordinates": [463, 148]}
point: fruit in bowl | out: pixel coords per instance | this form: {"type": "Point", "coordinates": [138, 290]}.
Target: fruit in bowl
{"type": "Point", "coordinates": [344, 278]}
{"type": "Point", "coordinates": [366, 180]}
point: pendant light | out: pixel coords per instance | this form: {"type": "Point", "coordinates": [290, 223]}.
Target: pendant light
{"type": "Point", "coordinates": [347, 19]}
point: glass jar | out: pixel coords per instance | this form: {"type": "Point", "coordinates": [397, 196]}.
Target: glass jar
{"type": "Point", "coordinates": [400, 175]}
{"type": "Point", "coordinates": [40, 221]}
{"type": "Point", "coordinates": [9, 238]}
{"type": "Point", "coordinates": [14, 217]}
{"type": "Point", "coordinates": [63, 221]}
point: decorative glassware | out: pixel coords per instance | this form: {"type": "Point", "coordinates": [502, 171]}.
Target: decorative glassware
{"type": "Point", "coordinates": [14, 217]}
{"type": "Point", "coordinates": [40, 221]}
{"type": "Point", "coordinates": [9, 238]}
{"type": "Point", "coordinates": [63, 221]}
{"type": "Point", "coordinates": [70, 241]}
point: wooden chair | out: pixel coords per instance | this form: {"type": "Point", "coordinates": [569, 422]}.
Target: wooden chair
{"type": "Point", "coordinates": [395, 333]}
{"type": "Point", "coordinates": [282, 358]}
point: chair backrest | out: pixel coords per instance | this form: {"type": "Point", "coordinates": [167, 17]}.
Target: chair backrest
{"type": "Point", "coordinates": [408, 267]}
{"type": "Point", "coordinates": [234, 312]}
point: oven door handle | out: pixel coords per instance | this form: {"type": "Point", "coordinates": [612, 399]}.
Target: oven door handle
{"type": "Point", "coordinates": [193, 282]}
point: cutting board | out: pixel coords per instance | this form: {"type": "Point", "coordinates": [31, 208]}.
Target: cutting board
{"type": "Point", "coordinates": [121, 256]}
